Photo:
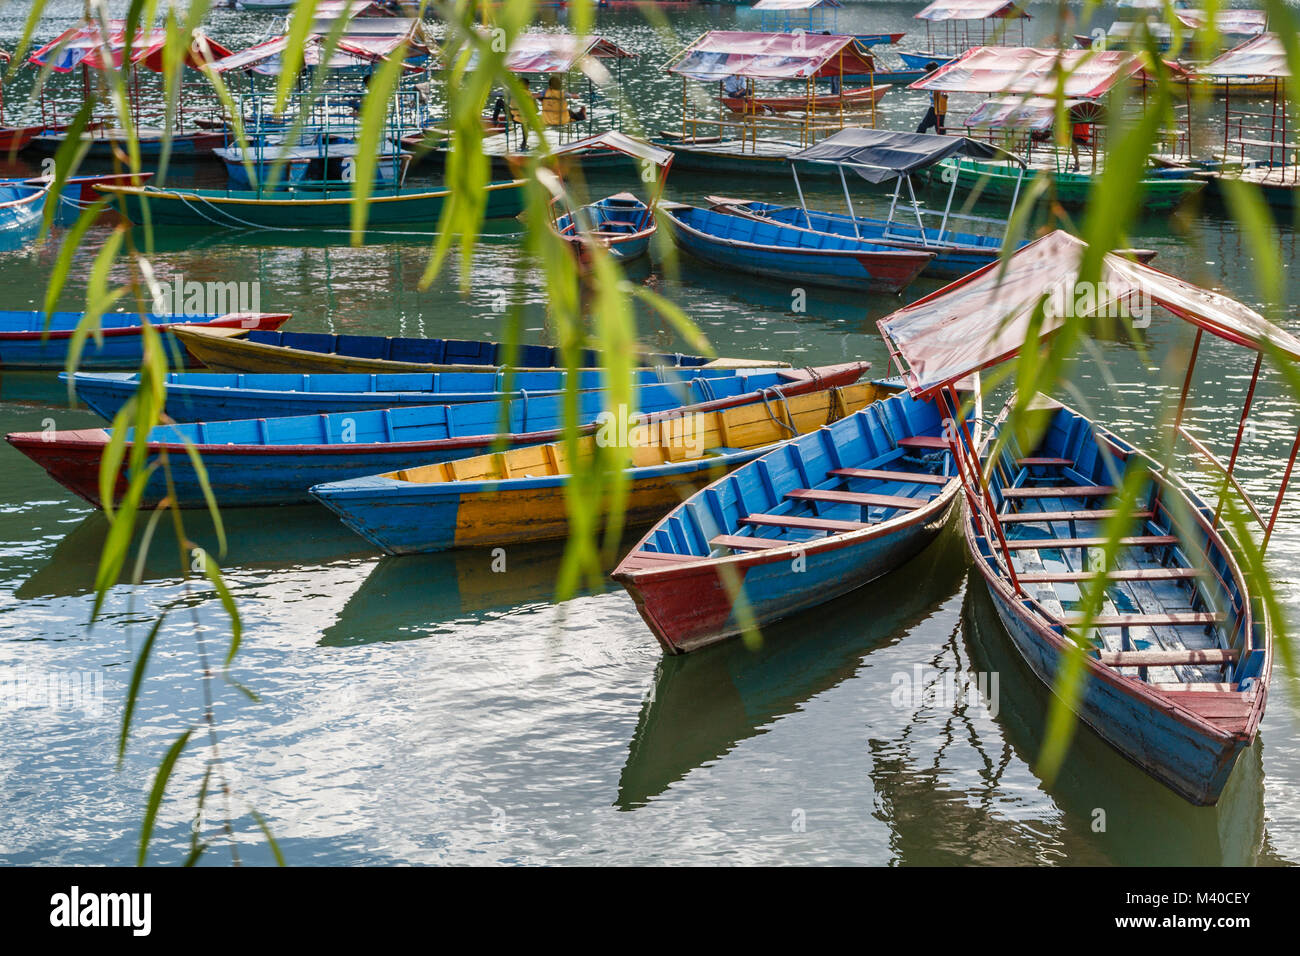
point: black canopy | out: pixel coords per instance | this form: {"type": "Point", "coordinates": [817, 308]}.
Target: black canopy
{"type": "Point", "coordinates": [878, 155]}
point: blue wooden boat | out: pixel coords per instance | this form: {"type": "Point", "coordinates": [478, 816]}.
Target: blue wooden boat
{"type": "Point", "coordinates": [621, 224]}
{"type": "Point", "coordinates": [788, 254]}
{"type": "Point", "coordinates": [845, 504]}
{"type": "Point", "coordinates": [21, 207]}
{"type": "Point", "coordinates": [215, 396]}
{"type": "Point", "coordinates": [321, 352]}
{"type": "Point", "coordinates": [921, 60]}
{"type": "Point", "coordinates": [27, 340]}
{"type": "Point", "coordinates": [275, 461]}
{"type": "Point", "coordinates": [520, 495]}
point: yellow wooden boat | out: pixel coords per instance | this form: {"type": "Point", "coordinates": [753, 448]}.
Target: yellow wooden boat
{"type": "Point", "coordinates": [518, 495]}
{"type": "Point", "coordinates": [298, 352]}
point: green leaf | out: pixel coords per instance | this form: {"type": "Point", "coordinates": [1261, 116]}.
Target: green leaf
{"type": "Point", "coordinates": [156, 794]}
{"type": "Point", "coordinates": [133, 692]}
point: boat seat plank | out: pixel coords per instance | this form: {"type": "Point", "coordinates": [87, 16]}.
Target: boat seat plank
{"type": "Point", "coordinates": [1028, 462]}
{"type": "Point", "coordinates": [883, 474]}
{"type": "Point", "coordinates": [922, 441]}
{"type": "Point", "coordinates": [640, 560]}
{"type": "Point", "coordinates": [1128, 574]}
{"type": "Point", "coordinates": [1199, 687]}
{"type": "Point", "coordinates": [1096, 514]}
{"type": "Point", "coordinates": [1156, 658]}
{"type": "Point", "coordinates": [739, 542]}
{"type": "Point", "coordinates": [799, 521]}
{"type": "Point", "coordinates": [1047, 544]}
{"type": "Point", "coordinates": [855, 498]}
{"type": "Point", "coordinates": [1175, 619]}
{"type": "Point", "coordinates": [1062, 491]}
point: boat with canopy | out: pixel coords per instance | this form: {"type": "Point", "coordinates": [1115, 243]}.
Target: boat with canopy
{"type": "Point", "coordinates": [755, 139]}
{"type": "Point", "coordinates": [14, 138]}
{"type": "Point", "coordinates": [877, 157]}
{"type": "Point", "coordinates": [1177, 649]}
{"type": "Point", "coordinates": [950, 29]}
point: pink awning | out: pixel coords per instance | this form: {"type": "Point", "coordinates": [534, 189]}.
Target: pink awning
{"type": "Point", "coordinates": [1242, 23]}
{"type": "Point", "coordinates": [558, 52]}
{"type": "Point", "coordinates": [795, 4]}
{"type": "Point", "coordinates": [1028, 113]}
{"type": "Point", "coordinates": [989, 69]}
{"type": "Point", "coordinates": [722, 53]}
{"type": "Point", "coordinates": [972, 10]}
{"type": "Point", "coordinates": [266, 58]}
{"type": "Point", "coordinates": [1262, 56]}
{"type": "Point", "coordinates": [984, 319]}
{"type": "Point", "coordinates": [86, 45]}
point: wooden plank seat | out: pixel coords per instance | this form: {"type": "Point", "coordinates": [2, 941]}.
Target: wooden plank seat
{"type": "Point", "coordinates": [1051, 544]}
{"type": "Point", "coordinates": [1122, 574]}
{"type": "Point", "coordinates": [1161, 658]}
{"type": "Point", "coordinates": [922, 441]}
{"type": "Point", "coordinates": [1197, 687]}
{"type": "Point", "coordinates": [638, 560]}
{"type": "Point", "coordinates": [1029, 462]}
{"type": "Point", "coordinates": [856, 498]}
{"type": "Point", "coordinates": [805, 523]}
{"type": "Point", "coordinates": [882, 474]}
{"type": "Point", "coordinates": [1175, 619]}
{"type": "Point", "coordinates": [738, 542]}
{"type": "Point", "coordinates": [1061, 491]}
{"type": "Point", "coordinates": [1096, 514]}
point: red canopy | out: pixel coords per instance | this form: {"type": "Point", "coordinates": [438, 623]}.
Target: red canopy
{"type": "Point", "coordinates": [990, 69]}
{"type": "Point", "coordinates": [1246, 23]}
{"type": "Point", "coordinates": [983, 319]}
{"type": "Point", "coordinates": [972, 10]}
{"type": "Point", "coordinates": [558, 52]}
{"type": "Point", "coordinates": [267, 57]}
{"type": "Point", "coordinates": [778, 56]}
{"type": "Point", "coordinates": [86, 45]}
{"type": "Point", "coordinates": [1262, 56]}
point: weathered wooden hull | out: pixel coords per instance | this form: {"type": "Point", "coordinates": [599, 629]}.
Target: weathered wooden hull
{"type": "Point", "coordinates": [821, 103]}
{"type": "Point", "coordinates": [302, 210]}
{"type": "Point", "coordinates": [120, 347]}
{"type": "Point", "coordinates": [15, 138]}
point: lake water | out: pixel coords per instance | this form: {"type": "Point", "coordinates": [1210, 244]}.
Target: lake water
{"type": "Point", "coordinates": [430, 710]}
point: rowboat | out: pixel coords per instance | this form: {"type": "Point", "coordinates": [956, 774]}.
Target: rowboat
{"type": "Point", "coordinates": [622, 224]}
{"type": "Point", "coordinates": [321, 352]}
{"type": "Point", "coordinates": [105, 143]}
{"type": "Point", "coordinates": [14, 139]}
{"type": "Point", "coordinates": [879, 156]}
{"type": "Point", "coordinates": [816, 518]}
{"type": "Point", "coordinates": [855, 97]}
{"type": "Point", "coordinates": [28, 340]}
{"type": "Point", "coordinates": [787, 253]}
{"type": "Point", "coordinates": [317, 158]}
{"type": "Point", "coordinates": [213, 396]}
{"type": "Point", "coordinates": [519, 495]}
{"type": "Point", "coordinates": [275, 461]}
{"type": "Point", "coordinates": [1161, 189]}
{"type": "Point", "coordinates": [299, 209]}
{"type": "Point", "coordinates": [1177, 655]}
{"type": "Point", "coordinates": [21, 208]}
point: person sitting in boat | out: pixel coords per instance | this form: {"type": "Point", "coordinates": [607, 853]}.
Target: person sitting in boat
{"type": "Point", "coordinates": [936, 115]}
{"type": "Point", "coordinates": [556, 110]}
{"type": "Point", "coordinates": [734, 87]}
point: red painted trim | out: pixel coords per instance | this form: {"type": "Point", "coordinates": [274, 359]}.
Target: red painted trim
{"type": "Point", "coordinates": [236, 320]}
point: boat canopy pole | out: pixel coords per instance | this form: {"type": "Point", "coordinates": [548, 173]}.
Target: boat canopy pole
{"type": "Point", "coordinates": [1015, 198]}
{"type": "Point", "coordinates": [849, 199]}
{"type": "Point", "coordinates": [947, 209]}
{"type": "Point", "coordinates": [893, 205]}
{"type": "Point", "coordinates": [916, 207]}
{"type": "Point", "coordinates": [799, 189]}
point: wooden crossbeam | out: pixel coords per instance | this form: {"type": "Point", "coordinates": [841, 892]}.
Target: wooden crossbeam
{"type": "Point", "coordinates": [922, 441]}
{"type": "Point", "coordinates": [1028, 462]}
{"type": "Point", "coordinates": [1095, 514]}
{"type": "Point", "coordinates": [1175, 619]}
{"type": "Point", "coordinates": [1211, 655]}
{"type": "Point", "coordinates": [855, 498]}
{"type": "Point", "coordinates": [1129, 574]}
{"type": "Point", "coordinates": [1048, 544]}
{"type": "Point", "coordinates": [1197, 686]}
{"type": "Point", "coordinates": [739, 542]}
{"type": "Point", "coordinates": [809, 524]}
{"type": "Point", "coordinates": [881, 474]}
{"type": "Point", "coordinates": [1062, 491]}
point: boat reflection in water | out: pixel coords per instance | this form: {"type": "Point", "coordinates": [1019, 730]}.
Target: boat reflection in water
{"type": "Point", "coordinates": [703, 704]}
{"type": "Point", "coordinates": [1145, 823]}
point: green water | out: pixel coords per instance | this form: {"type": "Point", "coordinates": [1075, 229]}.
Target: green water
{"type": "Point", "coordinates": [427, 709]}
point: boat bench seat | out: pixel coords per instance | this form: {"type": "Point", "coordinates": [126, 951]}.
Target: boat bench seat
{"type": "Point", "coordinates": [1175, 619]}
{"type": "Point", "coordinates": [1030, 462]}
{"type": "Point", "coordinates": [808, 524]}
{"type": "Point", "coordinates": [1202, 686]}
{"type": "Point", "coordinates": [1125, 574]}
{"type": "Point", "coordinates": [1050, 544]}
{"type": "Point", "coordinates": [881, 474]}
{"type": "Point", "coordinates": [1161, 658]}
{"type": "Point", "coordinates": [639, 560]}
{"type": "Point", "coordinates": [739, 542]}
{"type": "Point", "coordinates": [1061, 491]}
{"type": "Point", "coordinates": [1098, 514]}
{"type": "Point", "coordinates": [855, 498]}
{"type": "Point", "coordinates": [922, 441]}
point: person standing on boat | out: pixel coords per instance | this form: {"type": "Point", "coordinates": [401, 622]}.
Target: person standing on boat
{"type": "Point", "coordinates": [937, 114]}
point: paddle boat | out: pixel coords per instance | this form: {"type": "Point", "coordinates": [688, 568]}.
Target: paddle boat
{"type": "Point", "coordinates": [957, 35]}
{"type": "Point", "coordinates": [1176, 658]}
{"type": "Point", "coordinates": [622, 224]}
{"type": "Point", "coordinates": [299, 352]}
{"type": "Point", "coordinates": [519, 495]}
{"type": "Point", "coordinates": [295, 209]}
{"type": "Point", "coordinates": [853, 99]}
{"type": "Point", "coordinates": [275, 461]}
{"type": "Point", "coordinates": [312, 159]}
{"type": "Point", "coordinates": [21, 207]}
{"type": "Point", "coordinates": [878, 156]}
{"type": "Point", "coordinates": [30, 340]}
{"type": "Point", "coordinates": [214, 396]}
{"type": "Point", "coordinates": [785, 253]}
{"type": "Point", "coordinates": [817, 517]}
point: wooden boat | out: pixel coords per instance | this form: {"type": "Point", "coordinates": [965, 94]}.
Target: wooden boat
{"type": "Point", "coordinates": [321, 352]}
{"type": "Point", "coordinates": [299, 209]}
{"type": "Point", "coordinates": [822, 102]}
{"type": "Point", "coordinates": [21, 207]}
{"type": "Point", "coordinates": [1177, 657]}
{"type": "Point", "coordinates": [213, 396]}
{"type": "Point", "coordinates": [317, 160]}
{"type": "Point", "coordinates": [622, 224]}
{"type": "Point", "coordinates": [786, 253]}
{"type": "Point", "coordinates": [921, 60]}
{"type": "Point", "coordinates": [14, 139]}
{"type": "Point", "coordinates": [105, 143]}
{"type": "Point", "coordinates": [519, 495]}
{"type": "Point", "coordinates": [78, 192]}
{"type": "Point", "coordinates": [275, 461]}
{"type": "Point", "coordinates": [28, 340]}
{"type": "Point", "coordinates": [1162, 189]}
{"type": "Point", "coordinates": [842, 505]}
